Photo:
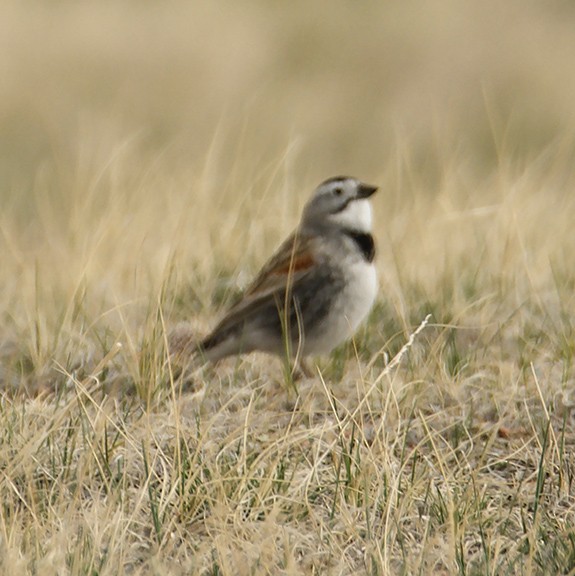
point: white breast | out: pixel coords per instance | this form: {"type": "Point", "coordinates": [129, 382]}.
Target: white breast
{"type": "Point", "coordinates": [359, 295]}
{"type": "Point", "coordinates": [350, 308]}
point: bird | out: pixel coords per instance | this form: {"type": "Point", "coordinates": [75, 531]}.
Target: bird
{"type": "Point", "coordinates": [315, 290]}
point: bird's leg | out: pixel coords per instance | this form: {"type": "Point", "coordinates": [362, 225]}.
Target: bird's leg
{"type": "Point", "coordinates": [295, 371]}
{"type": "Point", "coordinates": [301, 369]}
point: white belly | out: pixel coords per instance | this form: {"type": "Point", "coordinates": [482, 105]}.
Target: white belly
{"type": "Point", "coordinates": [349, 310]}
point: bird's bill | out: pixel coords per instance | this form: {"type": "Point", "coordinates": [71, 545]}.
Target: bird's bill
{"type": "Point", "coordinates": [365, 190]}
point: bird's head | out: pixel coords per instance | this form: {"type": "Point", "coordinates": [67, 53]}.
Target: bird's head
{"type": "Point", "coordinates": [341, 202]}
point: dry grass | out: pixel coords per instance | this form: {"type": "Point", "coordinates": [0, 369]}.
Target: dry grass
{"type": "Point", "coordinates": [150, 158]}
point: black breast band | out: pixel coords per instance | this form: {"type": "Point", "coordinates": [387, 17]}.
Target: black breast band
{"type": "Point", "coordinates": [364, 242]}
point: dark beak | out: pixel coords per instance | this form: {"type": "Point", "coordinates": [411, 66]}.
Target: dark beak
{"type": "Point", "coordinates": [365, 190]}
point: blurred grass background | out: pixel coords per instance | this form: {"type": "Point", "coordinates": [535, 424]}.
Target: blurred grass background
{"type": "Point", "coordinates": [346, 83]}
{"type": "Point", "coordinates": [135, 133]}
{"type": "Point", "coordinates": [153, 154]}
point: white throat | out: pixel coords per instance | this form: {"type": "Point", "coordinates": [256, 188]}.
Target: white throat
{"type": "Point", "coordinates": [356, 216]}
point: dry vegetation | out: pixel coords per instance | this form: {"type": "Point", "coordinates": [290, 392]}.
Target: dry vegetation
{"type": "Point", "coordinates": [151, 156]}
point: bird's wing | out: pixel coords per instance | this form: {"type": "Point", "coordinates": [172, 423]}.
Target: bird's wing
{"type": "Point", "coordinates": [293, 259]}
{"type": "Point", "coordinates": [291, 263]}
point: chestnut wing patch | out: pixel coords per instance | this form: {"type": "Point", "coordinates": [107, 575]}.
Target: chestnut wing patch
{"type": "Point", "coordinates": [297, 264]}
{"type": "Point", "coordinates": [293, 259]}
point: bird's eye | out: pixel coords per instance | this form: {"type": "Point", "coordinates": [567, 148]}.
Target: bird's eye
{"type": "Point", "coordinates": [338, 191]}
